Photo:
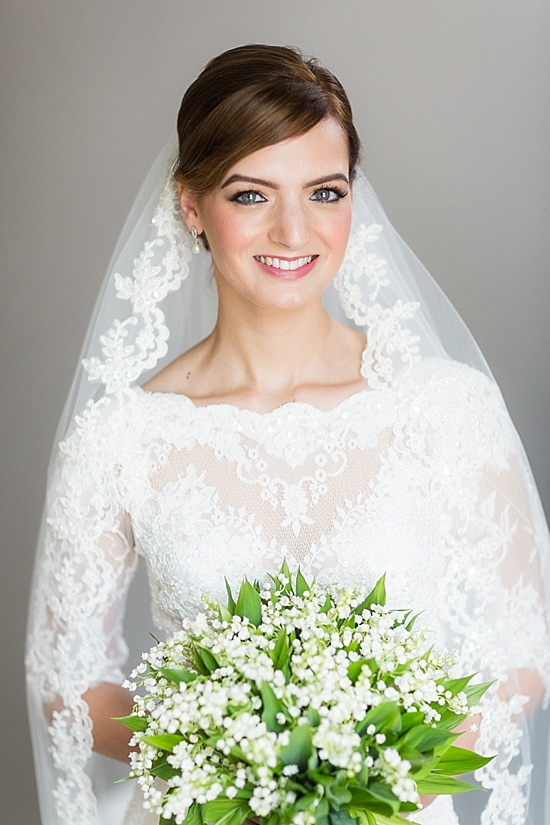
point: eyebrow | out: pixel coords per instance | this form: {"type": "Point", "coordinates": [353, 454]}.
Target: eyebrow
{"type": "Point", "coordinates": [260, 182]}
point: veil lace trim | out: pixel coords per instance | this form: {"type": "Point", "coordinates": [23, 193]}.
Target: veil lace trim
{"type": "Point", "coordinates": [151, 281]}
{"type": "Point", "coordinates": [387, 339]}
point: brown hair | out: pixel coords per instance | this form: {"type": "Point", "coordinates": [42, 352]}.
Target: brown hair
{"type": "Point", "coordinates": [251, 97]}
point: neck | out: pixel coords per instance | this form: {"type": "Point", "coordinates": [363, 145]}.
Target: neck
{"type": "Point", "coordinates": [271, 351]}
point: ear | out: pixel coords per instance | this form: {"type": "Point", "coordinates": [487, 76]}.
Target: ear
{"type": "Point", "coordinates": [190, 209]}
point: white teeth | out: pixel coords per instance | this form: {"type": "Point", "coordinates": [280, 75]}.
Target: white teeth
{"type": "Point", "coordinates": [282, 264]}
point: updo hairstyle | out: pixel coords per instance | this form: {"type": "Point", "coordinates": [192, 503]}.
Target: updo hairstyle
{"type": "Point", "coordinates": [251, 97]}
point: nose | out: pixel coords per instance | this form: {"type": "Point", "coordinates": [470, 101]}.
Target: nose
{"type": "Point", "coordinates": [290, 226]}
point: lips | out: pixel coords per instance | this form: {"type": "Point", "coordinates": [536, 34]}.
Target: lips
{"type": "Point", "coordinates": [286, 268]}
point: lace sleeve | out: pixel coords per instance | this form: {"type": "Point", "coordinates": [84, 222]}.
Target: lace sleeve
{"type": "Point", "coordinates": [494, 594]}
{"type": "Point", "coordinates": [75, 639]}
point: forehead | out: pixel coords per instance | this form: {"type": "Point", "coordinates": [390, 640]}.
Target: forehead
{"type": "Point", "coordinates": [321, 151]}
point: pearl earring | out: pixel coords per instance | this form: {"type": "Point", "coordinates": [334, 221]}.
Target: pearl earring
{"type": "Point", "coordinates": [196, 246]}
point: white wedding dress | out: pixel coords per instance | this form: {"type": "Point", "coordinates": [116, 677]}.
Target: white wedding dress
{"type": "Point", "coordinates": [414, 480]}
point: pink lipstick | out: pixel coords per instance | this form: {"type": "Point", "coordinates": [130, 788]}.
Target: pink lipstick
{"type": "Point", "coordinates": [286, 269]}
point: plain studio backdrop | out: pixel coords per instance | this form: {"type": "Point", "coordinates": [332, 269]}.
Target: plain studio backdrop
{"type": "Point", "coordinates": [451, 98]}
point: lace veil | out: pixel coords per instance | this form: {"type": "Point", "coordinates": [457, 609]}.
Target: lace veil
{"type": "Point", "coordinates": [157, 300]}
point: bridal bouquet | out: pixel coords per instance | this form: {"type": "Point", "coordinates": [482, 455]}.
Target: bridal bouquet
{"type": "Point", "coordinates": [297, 704]}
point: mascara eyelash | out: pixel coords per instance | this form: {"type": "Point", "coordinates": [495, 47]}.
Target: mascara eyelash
{"type": "Point", "coordinates": [336, 189]}
{"type": "Point", "coordinates": [237, 195]}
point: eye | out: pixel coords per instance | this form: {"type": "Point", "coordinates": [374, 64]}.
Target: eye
{"type": "Point", "coordinates": [248, 197]}
{"type": "Point", "coordinates": [328, 194]}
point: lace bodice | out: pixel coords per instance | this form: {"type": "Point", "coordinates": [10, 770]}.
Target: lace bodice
{"type": "Point", "coordinates": [417, 480]}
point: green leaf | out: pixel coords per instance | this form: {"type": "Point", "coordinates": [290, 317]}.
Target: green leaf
{"type": "Point", "coordinates": [301, 584]}
{"type": "Point", "coordinates": [411, 720]}
{"type": "Point", "coordinates": [341, 817]}
{"type": "Point", "coordinates": [233, 814]}
{"type": "Point", "coordinates": [395, 819]}
{"type": "Point", "coordinates": [339, 794]}
{"type": "Point", "coordinates": [313, 761]}
{"type": "Point", "coordinates": [249, 603]}
{"type": "Point", "coordinates": [427, 768]}
{"type": "Point", "coordinates": [456, 685]}
{"type": "Point", "coordinates": [327, 605]}
{"type": "Point", "coordinates": [413, 756]}
{"type": "Point", "coordinates": [285, 570]}
{"type": "Point", "coordinates": [216, 808]}
{"type": "Point", "coordinates": [363, 799]}
{"type": "Point", "coordinates": [281, 653]}
{"type": "Point", "coordinates": [376, 596]}
{"type": "Point", "coordinates": [321, 812]}
{"type": "Point", "coordinates": [209, 660]}
{"type": "Point", "coordinates": [456, 761]}
{"type": "Point", "coordinates": [425, 738]}
{"type": "Point", "coordinates": [299, 748]}
{"type": "Point", "coordinates": [224, 614]}
{"type": "Point", "coordinates": [323, 778]}
{"type": "Point", "coordinates": [360, 817]}
{"type": "Point", "coordinates": [199, 663]}
{"type": "Point", "coordinates": [450, 720]}
{"type": "Point", "coordinates": [434, 784]}
{"type": "Point", "coordinates": [177, 674]}
{"type": "Point", "coordinates": [411, 623]}
{"type": "Point", "coordinates": [230, 600]}
{"type": "Point", "coordinates": [272, 706]}
{"type": "Point", "coordinates": [163, 741]}
{"type": "Point", "coordinates": [384, 717]}
{"type": "Point", "coordinates": [164, 771]}
{"type": "Point", "coordinates": [193, 815]}
{"type": "Point", "coordinates": [313, 717]}
{"type": "Point", "coordinates": [171, 821]}
{"type": "Point", "coordinates": [475, 692]}
{"type": "Point", "coordinates": [137, 723]}
{"type": "Point", "coordinates": [237, 817]}
{"type": "Point", "coordinates": [303, 803]}
{"type": "Point", "coordinates": [385, 794]}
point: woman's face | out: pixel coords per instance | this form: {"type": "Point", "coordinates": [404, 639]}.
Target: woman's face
{"type": "Point", "coordinates": [279, 222]}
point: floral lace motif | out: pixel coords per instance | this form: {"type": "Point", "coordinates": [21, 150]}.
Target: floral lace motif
{"type": "Point", "coordinates": [387, 338]}
{"type": "Point", "coordinates": [157, 271]}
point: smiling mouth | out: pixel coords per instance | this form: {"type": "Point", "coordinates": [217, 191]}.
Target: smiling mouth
{"type": "Point", "coordinates": [286, 264]}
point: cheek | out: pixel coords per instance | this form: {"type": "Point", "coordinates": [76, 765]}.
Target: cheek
{"type": "Point", "coordinates": [229, 233]}
{"type": "Point", "coordinates": [336, 232]}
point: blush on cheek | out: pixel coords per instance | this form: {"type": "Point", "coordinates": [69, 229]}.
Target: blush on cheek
{"type": "Point", "coordinates": [339, 233]}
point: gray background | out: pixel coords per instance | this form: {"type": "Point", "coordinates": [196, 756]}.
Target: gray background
{"type": "Point", "coordinates": [451, 98]}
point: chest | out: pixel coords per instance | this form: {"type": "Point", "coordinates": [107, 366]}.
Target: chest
{"type": "Point", "coordinates": [228, 496]}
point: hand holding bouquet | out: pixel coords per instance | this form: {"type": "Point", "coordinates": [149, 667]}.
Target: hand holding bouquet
{"type": "Point", "coordinates": [302, 705]}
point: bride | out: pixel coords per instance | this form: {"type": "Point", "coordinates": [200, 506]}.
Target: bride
{"type": "Point", "coordinates": [271, 373]}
